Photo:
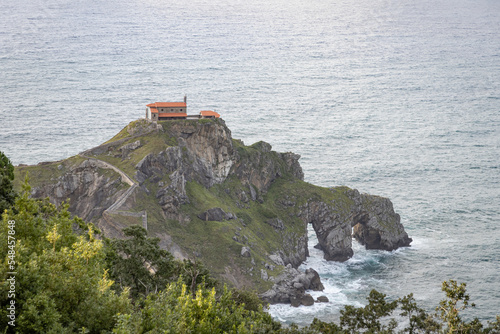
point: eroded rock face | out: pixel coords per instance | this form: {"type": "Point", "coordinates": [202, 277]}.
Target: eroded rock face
{"type": "Point", "coordinates": [127, 148]}
{"type": "Point", "coordinates": [172, 196]}
{"type": "Point", "coordinates": [375, 223]}
{"type": "Point", "coordinates": [208, 150]}
{"type": "Point", "coordinates": [262, 166]}
{"type": "Point", "coordinates": [88, 190]}
{"type": "Point", "coordinates": [370, 219]}
{"type": "Point", "coordinates": [294, 249]}
{"type": "Point", "coordinates": [156, 165]}
{"type": "Point", "coordinates": [204, 154]}
{"type": "Point", "coordinates": [333, 229]}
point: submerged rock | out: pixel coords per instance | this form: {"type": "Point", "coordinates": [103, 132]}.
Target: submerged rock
{"type": "Point", "coordinates": [306, 300]}
{"type": "Point", "coordinates": [322, 299]}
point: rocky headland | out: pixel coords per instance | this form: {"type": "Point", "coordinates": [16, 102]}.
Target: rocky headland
{"type": "Point", "coordinates": [242, 210]}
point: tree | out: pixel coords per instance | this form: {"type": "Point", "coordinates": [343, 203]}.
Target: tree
{"type": "Point", "coordinates": [449, 309]}
{"type": "Point", "coordinates": [249, 298]}
{"type": "Point", "coordinates": [194, 274]}
{"type": "Point", "coordinates": [7, 194]}
{"type": "Point", "coordinates": [419, 321]}
{"type": "Point", "coordinates": [368, 318]}
{"type": "Point", "coordinates": [139, 263]}
{"type": "Point", "coordinates": [61, 283]}
{"type": "Point", "coordinates": [325, 327]}
{"type": "Point", "coordinates": [494, 327]}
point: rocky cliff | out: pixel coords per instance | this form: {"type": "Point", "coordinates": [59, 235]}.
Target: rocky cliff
{"type": "Point", "coordinates": [243, 210]}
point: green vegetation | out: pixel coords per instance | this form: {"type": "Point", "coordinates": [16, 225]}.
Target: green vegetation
{"type": "Point", "coordinates": [175, 310]}
{"type": "Point", "coordinates": [137, 127]}
{"type": "Point", "coordinates": [138, 264]}
{"type": "Point", "coordinates": [42, 172]}
{"type": "Point", "coordinates": [209, 238]}
{"type": "Point", "coordinates": [69, 281]}
{"type": "Point", "coordinates": [61, 283]}
{"type": "Point", "coordinates": [6, 183]}
{"type": "Point", "coordinates": [152, 143]}
{"type": "Point", "coordinates": [198, 239]}
{"type": "Point", "coordinates": [374, 317]}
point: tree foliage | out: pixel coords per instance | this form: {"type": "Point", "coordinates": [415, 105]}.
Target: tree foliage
{"type": "Point", "coordinates": [373, 318]}
{"type": "Point", "coordinates": [140, 264]}
{"type": "Point", "coordinates": [449, 309]}
{"type": "Point", "coordinates": [61, 281]}
{"type": "Point", "coordinates": [418, 320]}
{"type": "Point", "coordinates": [7, 194]}
{"type": "Point", "coordinates": [175, 310]}
{"type": "Point", "coordinates": [368, 317]}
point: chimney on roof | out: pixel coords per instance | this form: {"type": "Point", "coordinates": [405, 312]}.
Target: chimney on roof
{"type": "Point", "coordinates": [185, 99]}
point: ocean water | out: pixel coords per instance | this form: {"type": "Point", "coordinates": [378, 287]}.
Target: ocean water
{"type": "Point", "coordinates": [395, 98]}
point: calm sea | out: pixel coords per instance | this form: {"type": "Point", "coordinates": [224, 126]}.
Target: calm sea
{"type": "Point", "coordinates": [395, 98]}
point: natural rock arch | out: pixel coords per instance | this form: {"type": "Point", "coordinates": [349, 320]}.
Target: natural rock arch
{"type": "Point", "coordinates": [371, 220]}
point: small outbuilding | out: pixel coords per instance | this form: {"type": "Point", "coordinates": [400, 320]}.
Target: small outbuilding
{"type": "Point", "coordinates": [209, 114]}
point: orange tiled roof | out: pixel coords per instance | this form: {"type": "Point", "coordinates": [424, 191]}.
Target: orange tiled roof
{"type": "Point", "coordinates": [209, 113]}
{"type": "Point", "coordinates": [166, 105]}
{"type": "Point", "coordinates": [172, 114]}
